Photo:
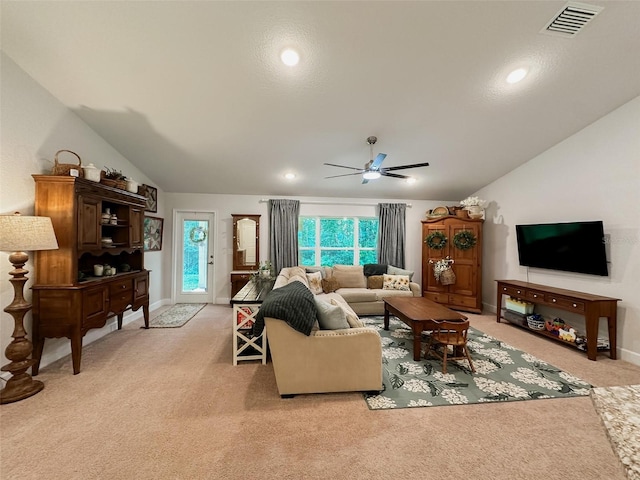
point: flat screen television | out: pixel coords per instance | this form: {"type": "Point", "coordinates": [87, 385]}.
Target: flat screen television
{"type": "Point", "coordinates": [573, 247]}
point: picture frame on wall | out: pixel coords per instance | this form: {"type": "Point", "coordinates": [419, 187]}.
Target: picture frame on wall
{"type": "Point", "coordinates": [153, 233]}
{"type": "Point", "coordinates": [151, 194]}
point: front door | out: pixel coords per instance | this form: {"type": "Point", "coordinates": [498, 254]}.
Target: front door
{"type": "Point", "coordinates": [194, 266]}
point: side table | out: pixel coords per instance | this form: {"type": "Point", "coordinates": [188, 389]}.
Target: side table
{"type": "Point", "coordinates": [246, 304]}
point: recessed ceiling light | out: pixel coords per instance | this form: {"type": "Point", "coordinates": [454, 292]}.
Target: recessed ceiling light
{"type": "Point", "coordinates": [371, 175]}
{"type": "Point", "coordinates": [516, 75]}
{"type": "Point", "coordinates": [290, 57]}
{"type": "Point", "coordinates": [289, 176]}
{"type": "Point", "coordinates": [410, 180]}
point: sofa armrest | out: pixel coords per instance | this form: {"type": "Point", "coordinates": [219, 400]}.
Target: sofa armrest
{"type": "Point", "coordinates": [326, 361]}
{"type": "Point", "coordinates": [415, 289]}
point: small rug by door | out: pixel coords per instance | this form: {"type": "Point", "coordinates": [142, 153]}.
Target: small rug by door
{"type": "Point", "coordinates": [503, 373]}
{"type": "Point", "coordinates": [619, 409]}
{"type": "Point", "coordinates": [176, 316]}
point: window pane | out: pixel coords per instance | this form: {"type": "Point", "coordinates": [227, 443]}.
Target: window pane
{"type": "Point", "coordinates": [336, 232]}
{"type": "Point", "coordinates": [307, 232]}
{"type": "Point", "coordinates": [307, 257]}
{"type": "Point", "coordinates": [368, 233]}
{"type": "Point", "coordinates": [194, 255]}
{"type": "Point", "coordinates": [328, 258]}
{"type": "Point", "coordinates": [368, 256]}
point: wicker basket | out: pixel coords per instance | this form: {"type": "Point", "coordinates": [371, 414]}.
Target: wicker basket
{"type": "Point", "coordinates": [65, 168]}
{"type": "Point", "coordinates": [110, 182]}
{"type": "Point", "coordinates": [447, 277]}
{"type": "Point", "coordinates": [535, 322]}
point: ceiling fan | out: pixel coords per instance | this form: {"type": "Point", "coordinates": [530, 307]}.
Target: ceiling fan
{"type": "Point", "coordinates": [372, 169]}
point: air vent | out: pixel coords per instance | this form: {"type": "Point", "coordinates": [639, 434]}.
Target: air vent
{"type": "Point", "coordinates": [571, 19]}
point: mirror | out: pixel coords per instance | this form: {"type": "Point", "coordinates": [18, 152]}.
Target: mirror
{"type": "Point", "coordinates": [246, 242]}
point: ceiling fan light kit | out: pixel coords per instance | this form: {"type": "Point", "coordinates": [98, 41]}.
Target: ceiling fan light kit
{"type": "Point", "coordinates": [373, 170]}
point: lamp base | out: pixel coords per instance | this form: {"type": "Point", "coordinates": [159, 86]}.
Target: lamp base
{"type": "Point", "coordinates": [19, 388]}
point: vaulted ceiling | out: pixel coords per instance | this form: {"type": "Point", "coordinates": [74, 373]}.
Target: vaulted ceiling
{"type": "Point", "coordinates": [195, 95]}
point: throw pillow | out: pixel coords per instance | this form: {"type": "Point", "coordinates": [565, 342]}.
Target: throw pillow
{"type": "Point", "coordinates": [395, 282]}
{"type": "Point", "coordinates": [375, 281]}
{"type": "Point", "coordinates": [315, 269]}
{"type": "Point", "coordinates": [330, 317]}
{"type": "Point", "coordinates": [352, 318]}
{"type": "Point", "coordinates": [315, 282]}
{"type": "Point", "coordinates": [329, 285]}
{"type": "Point", "coordinates": [349, 276]}
{"type": "Point", "coordinates": [374, 269]}
{"type": "Point", "coordinates": [391, 270]}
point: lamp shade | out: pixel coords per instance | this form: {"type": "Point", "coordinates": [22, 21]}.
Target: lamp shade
{"type": "Point", "coordinates": [24, 233]}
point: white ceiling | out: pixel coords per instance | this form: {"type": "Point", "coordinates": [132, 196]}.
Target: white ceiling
{"type": "Point", "coordinates": [194, 94]}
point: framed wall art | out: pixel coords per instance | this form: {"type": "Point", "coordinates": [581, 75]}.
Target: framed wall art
{"type": "Point", "coordinates": [151, 194]}
{"type": "Point", "coordinates": [152, 234]}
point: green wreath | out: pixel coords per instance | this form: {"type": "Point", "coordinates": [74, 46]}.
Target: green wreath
{"type": "Point", "coordinates": [464, 240]}
{"type": "Point", "coordinates": [436, 240]}
{"type": "Point", "coordinates": [198, 234]}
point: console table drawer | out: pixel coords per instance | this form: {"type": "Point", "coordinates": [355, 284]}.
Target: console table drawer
{"type": "Point", "coordinates": [513, 291]}
{"type": "Point", "coordinates": [566, 303]}
{"type": "Point", "coordinates": [121, 286]}
{"type": "Point", "coordinates": [535, 295]}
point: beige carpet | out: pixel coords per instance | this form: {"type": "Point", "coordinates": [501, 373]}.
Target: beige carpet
{"type": "Point", "coordinates": [168, 404]}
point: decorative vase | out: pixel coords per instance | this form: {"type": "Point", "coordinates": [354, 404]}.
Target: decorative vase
{"type": "Point", "coordinates": [475, 211]}
{"type": "Point", "coordinates": [106, 216]}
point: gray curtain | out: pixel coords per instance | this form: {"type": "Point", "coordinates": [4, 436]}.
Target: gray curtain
{"type": "Point", "coordinates": [283, 233]}
{"type": "Point", "coordinates": [391, 233]}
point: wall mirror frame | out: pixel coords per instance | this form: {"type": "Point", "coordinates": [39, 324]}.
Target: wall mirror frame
{"type": "Point", "coordinates": [246, 242]}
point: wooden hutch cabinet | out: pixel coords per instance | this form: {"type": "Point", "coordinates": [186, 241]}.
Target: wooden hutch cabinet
{"type": "Point", "coordinates": [466, 293]}
{"type": "Point", "coordinates": [68, 300]}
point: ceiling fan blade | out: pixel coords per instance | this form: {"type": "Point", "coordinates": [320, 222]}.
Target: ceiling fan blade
{"type": "Point", "coordinates": [378, 161]}
{"type": "Point", "coordinates": [404, 167]}
{"type": "Point", "coordinates": [364, 180]}
{"type": "Point", "coordinates": [394, 175]}
{"type": "Point", "coordinates": [344, 166]}
{"type": "Point", "coordinates": [347, 174]}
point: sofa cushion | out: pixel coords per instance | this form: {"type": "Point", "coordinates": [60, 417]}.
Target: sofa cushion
{"type": "Point", "coordinates": [395, 282]}
{"type": "Point", "coordinates": [316, 269]}
{"type": "Point", "coordinates": [291, 274]}
{"type": "Point", "coordinates": [391, 270]}
{"type": "Point", "coordinates": [294, 303]}
{"type": "Point", "coordinates": [375, 281]}
{"type": "Point", "coordinates": [330, 317]}
{"type": "Point", "coordinates": [382, 294]}
{"type": "Point", "coordinates": [329, 285]}
{"type": "Point", "coordinates": [356, 295]}
{"type": "Point", "coordinates": [349, 276]}
{"type": "Point", "coordinates": [315, 282]}
{"type": "Point", "coordinates": [352, 317]}
{"type": "Point", "coordinates": [374, 269]}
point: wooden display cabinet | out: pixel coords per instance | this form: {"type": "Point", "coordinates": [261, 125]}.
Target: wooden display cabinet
{"type": "Point", "coordinates": [466, 293]}
{"type": "Point", "coordinates": [68, 300]}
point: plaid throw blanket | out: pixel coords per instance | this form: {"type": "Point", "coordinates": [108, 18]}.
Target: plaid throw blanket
{"type": "Point", "coordinates": [292, 303]}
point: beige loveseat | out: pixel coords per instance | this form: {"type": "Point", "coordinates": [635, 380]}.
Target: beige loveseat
{"type": "Point", "coordinates": [342, 360]}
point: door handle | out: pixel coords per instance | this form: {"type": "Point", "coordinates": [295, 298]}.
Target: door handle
{"type": "Point", "coordinates": [210, 263]}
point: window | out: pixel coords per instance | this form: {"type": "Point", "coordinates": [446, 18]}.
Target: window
{"type": "Point", "coordinates": [328, 241]}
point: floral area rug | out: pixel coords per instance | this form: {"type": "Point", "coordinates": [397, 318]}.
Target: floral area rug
{"type": "Point", "coordinates": [619, 409]}
{"type": "Point", "coordinates": [176, 316]}
{"type": "Point", "coordinates": [503, 373]}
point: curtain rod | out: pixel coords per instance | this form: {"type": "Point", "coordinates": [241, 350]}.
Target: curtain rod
{"type": "Point", "coordinates": [351, 204]}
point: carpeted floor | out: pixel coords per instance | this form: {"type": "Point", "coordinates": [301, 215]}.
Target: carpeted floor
{"type": "Point", "coordinates": [176, 316]}
{"type": "Point", "coordinates": [169, 404]}
{"type": "Point", "coordinates": [503, 373]}
{"type": "Point", "coordinates": [619, 409]}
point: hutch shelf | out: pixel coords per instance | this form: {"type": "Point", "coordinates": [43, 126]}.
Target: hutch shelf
{"type": "Point", "coordinates": [68, 299]}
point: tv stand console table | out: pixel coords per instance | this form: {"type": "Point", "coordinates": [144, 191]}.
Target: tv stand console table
{"type": "Point", "coordinates": [591, 306]}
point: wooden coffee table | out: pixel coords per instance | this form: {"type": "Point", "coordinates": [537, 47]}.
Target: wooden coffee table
{"type": "Point", "coordinates": [418, 313]}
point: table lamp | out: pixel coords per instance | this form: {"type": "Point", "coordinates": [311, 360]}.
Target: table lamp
{"type": "Point", "coordinates": [20, 234]}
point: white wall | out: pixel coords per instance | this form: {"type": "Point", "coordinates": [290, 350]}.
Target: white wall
{"type": "Point", "coordinates": [226, 205]}
{"type": "Point", "coordinates": [592, 175]}
{"type": "Point", "coordinates": [34, 126]}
